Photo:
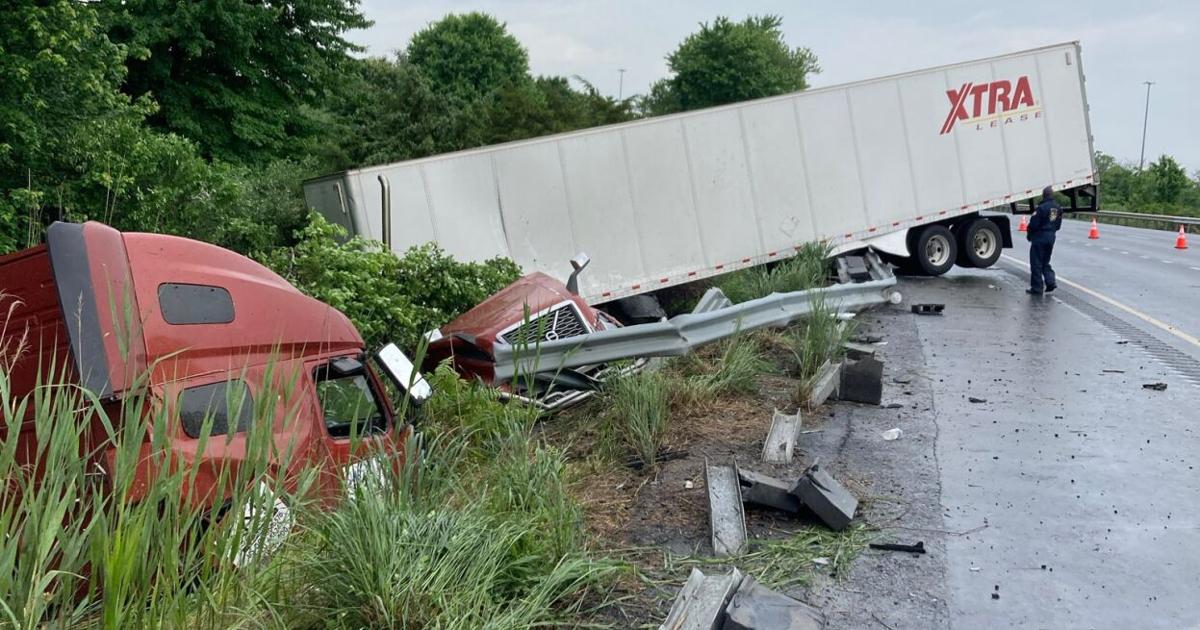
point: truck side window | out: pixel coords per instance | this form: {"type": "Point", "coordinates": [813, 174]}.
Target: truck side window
{"type": "Point", "coordinates": [348, 404]}
{"type": "Point", "coordinates": [216, 400]}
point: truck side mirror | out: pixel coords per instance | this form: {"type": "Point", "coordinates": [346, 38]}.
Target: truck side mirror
{"type": "Point", "coordinates": [401, 371]}
{"type": "Point", "coordinates": [580, 261]}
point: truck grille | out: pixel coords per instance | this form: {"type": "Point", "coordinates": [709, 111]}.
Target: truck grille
{"type": "Point", "coordinates": [561, 322]}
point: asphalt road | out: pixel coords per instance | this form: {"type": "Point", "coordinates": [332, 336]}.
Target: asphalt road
{"type": "Point", "coordinates": [1138, 268]}
{"type": "Point", "coordinates": [1067, 495]}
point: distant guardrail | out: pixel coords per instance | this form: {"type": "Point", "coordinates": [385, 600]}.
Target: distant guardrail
{"type": "Point", "coordinates": [1125, 218]}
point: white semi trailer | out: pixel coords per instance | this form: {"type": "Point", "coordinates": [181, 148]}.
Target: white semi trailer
{"type": "Point", "coordinates": [904, 164]}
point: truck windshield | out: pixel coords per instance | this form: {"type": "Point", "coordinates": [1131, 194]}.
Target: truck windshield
{"type": "Point", "coordinates": [349, 404]}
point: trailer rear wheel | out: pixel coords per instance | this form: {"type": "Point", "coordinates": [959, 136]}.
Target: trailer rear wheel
{"type": "Point", "coordinates": [934, 250]}
{"type": "Point", "coordinates": [979, 244]}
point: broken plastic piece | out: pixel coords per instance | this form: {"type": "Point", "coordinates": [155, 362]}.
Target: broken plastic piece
{"type": "Point", "coordinates": [928, 309]}
{"type": "Point", "coordinates": [892, 434]}
{"type": "Point", "coordinates": [917, 548]}
{"type": "Point", "coordinates": [1158, 387]}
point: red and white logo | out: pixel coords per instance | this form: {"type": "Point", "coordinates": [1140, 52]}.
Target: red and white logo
{"type": "Point", "coordinates": [998, 102]}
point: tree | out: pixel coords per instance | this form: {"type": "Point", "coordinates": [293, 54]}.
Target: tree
{"type": "Point", "coordinates": [1168, 180]}
{"type": "Point", "coordinates": [726, 62]}
{"type": "Point", "coordinates": [543, 106]}
{"type": "Point", "coordinates": [386, 110]}
{"type": "Point", "coordinates": [233, 75]}
{"type": "Point", "coordinates": [469, 55]}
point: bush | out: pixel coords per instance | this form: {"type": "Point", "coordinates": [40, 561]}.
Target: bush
{"type": "Point", "coordinates": [727, 367]}
{"type": "Point", "coordinates": [387, 298]}
{"type": "Point", "coordinates": [817, 339]}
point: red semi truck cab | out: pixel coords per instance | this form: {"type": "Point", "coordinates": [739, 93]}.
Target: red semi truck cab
{"type": "Point", "coordinates": [189, 327]}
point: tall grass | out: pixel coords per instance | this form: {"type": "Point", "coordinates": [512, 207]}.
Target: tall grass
{"type": "Point", "coordinates": [816, 340]}
{"type": "Point", "coordinates": [809, 268]}
{"type": "Point", "coordinates": [87, 541]}
{"type": "Point", "coordinates": [637, 412]}
{"type": "Point", "coordinates": [729, 366]}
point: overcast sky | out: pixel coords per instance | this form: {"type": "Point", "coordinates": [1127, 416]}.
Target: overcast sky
{"type": "Point", "coordinates": [1124, 43]}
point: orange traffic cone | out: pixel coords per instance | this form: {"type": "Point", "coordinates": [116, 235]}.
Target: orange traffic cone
{"type": "Point", "coordinates": [1023, 226]}
{"type": "Point", "coordinates": [1094, 233]}
{"type": "Point", "coordinates": [1181, 240]}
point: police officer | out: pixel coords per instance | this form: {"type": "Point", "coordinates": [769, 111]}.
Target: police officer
{"type": "Point", "coordinates": [1042, 227]}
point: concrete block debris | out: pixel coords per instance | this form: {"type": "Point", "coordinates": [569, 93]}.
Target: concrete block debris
{"type": "Point", "coordinates": [760, 489]}
{"type": "Point", "coordinates": [725, 512]}
{"type": "Point", "coordinates": [756, 607]}
{"type": "Point", "coordinates": [827, 498]}
{"type": "Point", "coordinates": [713, 300]}
{"type": "Point", "coordinates": [862, 381]}
{"type": "Point", "coordinates": [781, 439]}
{"type": "Point", "coordinates": [859, 350]}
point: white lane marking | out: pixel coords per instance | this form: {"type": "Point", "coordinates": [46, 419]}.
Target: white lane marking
{"type": "Point", "coordinates": [1195, 268]}
{"type": "Point", "coordinates": [1105, 249]}
{"type": "Point", "coordinates": [1144, 257]}
{"type": "Point", "coordinates": [1165, 262]}
{"type": "Point", "coordinates": [1128, 309]}
{"type": "Point", "coordinates": [1125, 252]}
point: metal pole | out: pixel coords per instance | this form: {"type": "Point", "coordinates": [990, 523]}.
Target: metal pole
{"type": "Point", "coordinates": [386, 207]}
{"type": "Point", "coordinates": [620, 83]}
{"type": "Point", "coordinates": [1145, 120]}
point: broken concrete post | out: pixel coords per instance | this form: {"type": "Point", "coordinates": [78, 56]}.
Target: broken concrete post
{"type": "Point", "coordinates": [702, 601]}
{"type": "Point", "coordinates": [827, 498]}
{"type": "Point", "coordinates": [862, 381]}
{"type": "Point", "coordinates": [781, 439]}
{"type": "Point", "coordinates": [756, 607]}
{"type": "Point", "coordinates": [768, 491]}
{"type": "Point", "coordinates": [824, 384]}
{"type": "Point", "coordinates": [725, 513]}
{"type": "Point", "coordinates": [713, 300]}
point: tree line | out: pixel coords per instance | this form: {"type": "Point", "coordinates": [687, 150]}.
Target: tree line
{"type": "Point", "coordinates": [202, 118]}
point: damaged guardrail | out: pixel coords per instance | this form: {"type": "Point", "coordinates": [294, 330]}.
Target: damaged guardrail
{"type": "Point", "coordinates": [682, 333]}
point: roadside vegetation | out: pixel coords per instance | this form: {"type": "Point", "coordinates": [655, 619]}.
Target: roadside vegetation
{"type": "Point", "coordinates": [473, 528]}
{"type": "Point", "coordinates": [807, 269]}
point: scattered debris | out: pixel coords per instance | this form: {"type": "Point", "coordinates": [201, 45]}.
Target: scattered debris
{"type": "Point", "coordinates": [737, 602]}
{"type": "Point", "coordinates": [767, 491]}
{"type": "Point", "coordinates": [892, 434]}
{"type": "Point", "coordinates": [702, 601]}
{"type": "Point", "coordinates": [781, 439]}
{"type": "Point", "coordinates": [902, 379]}
{"type": "Point", "coordinates": [827, 498]}
{"type": "Point", "coordinates": [713, 299]}
{"type": "Point", "coordinates": [976, 400]}
{"type": "Point", "coordinates": [894, 405]}
{"type": "Point", "coordinates": [1113, 371]}
{"type": "Point", "coordinates": [859, 350]}
{"type": "Point", "coordinates": [756, 607]}
{"type": "Point", "coordinates": [928, 309]}
{"type": "Point", "coordinates": [917, 548]}
{"type": "Point", "coordinates": [866, 338]}
{"type": "Point", "coordinates": [862, 381]}
{"type": "Point", "coordinates": [823, 561]}
{"type": "Point", "coordinates": [689, 484]}
{"type": "Point", "coordinates": [824, 384]}
{"type": "Point", "coordinates": [1158, 387]}
{"type": "Point", "coordinates": [726, 517]}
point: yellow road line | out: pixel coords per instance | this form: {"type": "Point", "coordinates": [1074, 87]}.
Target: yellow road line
{"type": "Point", "coordinates": [1195, 341]}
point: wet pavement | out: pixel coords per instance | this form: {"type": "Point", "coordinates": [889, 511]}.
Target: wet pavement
{"type": "Point", "coordinates": [1086, 482]}
{"type": "Point", "coordinates": [1068, 498]}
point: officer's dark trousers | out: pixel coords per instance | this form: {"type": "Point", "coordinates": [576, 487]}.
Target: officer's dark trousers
{"type": "Point", "coordinates": [1041, 275]}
